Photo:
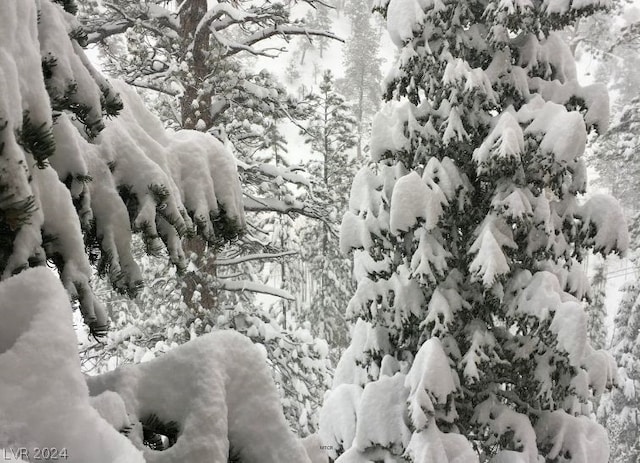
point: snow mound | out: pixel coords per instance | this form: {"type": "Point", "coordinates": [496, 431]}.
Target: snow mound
{"type": "Point", "coordinates": [579, 436]}
{"type": "Point", "coordinates": [44, 397]}
{"type": "Point", "coordinates": [338, 417]}
{"type": "Point", "coordinates": [413, 199]}
{"type": "Point", "coordinates": [603, 224]}
{"type": "Point", "coordinates": [218, 390]}
{"type": "Point", "coordinates": [381, 414]}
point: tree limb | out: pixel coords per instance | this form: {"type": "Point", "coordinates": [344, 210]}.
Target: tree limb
{"type": "Point", "coordinates": [262, 256]}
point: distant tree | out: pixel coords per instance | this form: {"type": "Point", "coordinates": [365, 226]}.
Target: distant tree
{"type": "Point", "coordinates": [188, 55]}
{"type": "Point", "coordinates": [362, 62]}
{"type": "Point", "coordinates": [619, 410]}
{"type": "Point", "coordinates": [596, 310]}
{"type": "Point", "coordinates": [330, 131]}
{"type": "Point", "coordinates": [189, 51]}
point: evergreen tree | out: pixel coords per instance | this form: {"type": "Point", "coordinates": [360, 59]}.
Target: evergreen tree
{"type": "Point", "coordinates": [612, 39]}
{"type": "Point", "coordinates": [596, 310]}
{"type": "Point", "coordinates": [361, 82]}
{"type": "Point", "coordinates": [330, 131]}
{"type": "Point", "coordinates": [614, 155]}
{"type": "Point", "coordinates": [620, 409]}
{"type": "Point", "coordinates": [287, 273]}
{"type": "Point", "coordinates": [470, 339]}
{"type": "Point", "coordinates": [317, 19]}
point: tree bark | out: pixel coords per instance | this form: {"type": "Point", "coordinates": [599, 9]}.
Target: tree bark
{"type": "Point", "coordinates": [195, 103]}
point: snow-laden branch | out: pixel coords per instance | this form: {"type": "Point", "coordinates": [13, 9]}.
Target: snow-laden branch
{"type": "Point", "coordinates": [254, 287]}
{"type": "Point", "coordinates": [271, 171]}
{"type": "Point", "coordinates": [257, 204]}
{"type": "Point", "coordinates": [103, 31]}
{"type": "Point", "coordinates": [250, 257]}
{"type": "Point", "coordinates": [126, 21]}
{"type": "Point", "coordinates": [247, 44]}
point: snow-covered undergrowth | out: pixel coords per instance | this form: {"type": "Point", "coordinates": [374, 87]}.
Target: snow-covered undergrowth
{"type": "Point", "coordinates": [216, 391]}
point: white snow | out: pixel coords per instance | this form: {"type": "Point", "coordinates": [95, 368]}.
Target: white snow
{"type": "Point", "coordinates": [402, 18]}
{"type": "Point", "coordinates": [45, 400]}
{"type": "Point", "coordinates": [430, 258]}
{"type": "Point", "coordinates": [570, 326]}
{"type": "Point", "coordinates": [501, 419]}
{"type": "Point", "coordinates": [387, 130]}
{"type": "Point", "coordinates": [364, 195]}
{"type": "Point", "coordinates": [338, 417]}
{"type": "Point", "coordinates": [564, 133]}
{"type": "Point", "coordinates": [354, 233]}
{"type": "Point", "coordinates": [603, 213]}
{"type": "Point", "coordinates": [219, 390]}
{"type": "Point", "coordinates": [432, 445]}
{"type": "Point", "coordinates": [505, 144]}
{"type": "Point", "coordinates": [581, 437]}
{"type": "Point", "coordinates": [541, 294]}
{"type": "Point", "coordinates": [430, 381]}
{"type": "Point", "coordinates": [413, 199]}
{"type": "Point", "coordinates": [381, 414]}
{"type": "Point", "coordinates": [490, 260]}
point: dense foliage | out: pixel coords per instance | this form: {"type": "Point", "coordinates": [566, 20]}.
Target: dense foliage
{"type": "Point", "coordinates": [467, 236]}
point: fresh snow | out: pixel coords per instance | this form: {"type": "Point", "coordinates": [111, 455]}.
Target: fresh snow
{"type": "Point", "coordinates": [45, 400]}
{"type": "Point", "coordinates": [217, 388]}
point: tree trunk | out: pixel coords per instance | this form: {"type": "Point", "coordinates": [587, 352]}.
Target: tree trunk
{"type": "Point", "coordinates": [195, 106]}
{"type": "Point", "coordinates": [203, 278]}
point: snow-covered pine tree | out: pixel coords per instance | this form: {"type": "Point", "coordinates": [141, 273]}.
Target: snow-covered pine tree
{"type": "Point", "coordinates": [619, 410]}
{"type": "Point", "coordinates": [287, 273]}
{"type": "Point", "coordinates": [596, 310]}
{"type": "Point", "coordinates": [362, 76]}
{"type": "Point", "coordinates": [331, 132]}
{"type": "Point", "coordinates": [470, 337]}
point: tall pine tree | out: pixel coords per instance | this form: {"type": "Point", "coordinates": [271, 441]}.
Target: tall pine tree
{"type": "Point", "coordinates": [619, 411]}
{"type": "Point", "coordinates": [330, 131]}
{"type": "Point", "coordinates": [596, 310]}
{"type": "Point", "coordinates": [470, 338]}
{"type": "Point", "coordinates": [361, 83]}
